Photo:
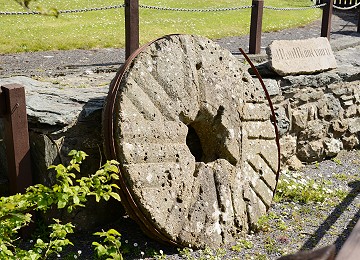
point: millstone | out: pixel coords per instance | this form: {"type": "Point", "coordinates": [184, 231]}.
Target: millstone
{"type": "Point", "coordinates": [195, 141]}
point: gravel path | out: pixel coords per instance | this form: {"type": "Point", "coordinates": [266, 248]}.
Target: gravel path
{"type": "Point", "coordinates": [289, 227]}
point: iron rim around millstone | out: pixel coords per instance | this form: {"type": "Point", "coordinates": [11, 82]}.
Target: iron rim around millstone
{"type": "Point", "coordinates": [179, 116]}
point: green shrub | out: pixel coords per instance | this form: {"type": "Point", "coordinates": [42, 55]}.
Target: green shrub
{"type": "Point", "coordinates": [68, 193]}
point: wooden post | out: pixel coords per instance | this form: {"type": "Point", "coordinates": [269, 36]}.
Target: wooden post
{"type": "Point", "coordinates": [13, 110]}
{"type": "Point", "coordinates": [256, 26]}
{"type": "Point", "coordinates": [351, 248]}
{"type": "Point", "coordinates": [131, 26]}
{"type": "Point", "coordinates": [358, 25]}
{"type": "Point", "coordinates": [326, 19]}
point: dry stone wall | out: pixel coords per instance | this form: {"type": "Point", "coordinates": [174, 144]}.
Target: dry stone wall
{"type": "Point", "coordinates": [318, 115]}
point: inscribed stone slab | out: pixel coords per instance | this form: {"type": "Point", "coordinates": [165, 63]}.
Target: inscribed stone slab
{"type": "Point", "coordinates": [294, 57]}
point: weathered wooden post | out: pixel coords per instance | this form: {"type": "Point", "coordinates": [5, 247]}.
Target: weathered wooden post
{"type": "Point", "coordinates": [326, 18]}
{"type": "Point", "coordinates": [358, 25]}
{"type": "Point", "coordinates": [256, 26]}
{"type": "Point", "coordinates": [131, 26]}
{"type": "Point", "coordinates": [13, 110]}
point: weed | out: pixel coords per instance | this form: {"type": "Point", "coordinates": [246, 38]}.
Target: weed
{"type": "Point", "coordinates": [341, 176]}
{"type": "Point", "coordinates": [186, 253]}
{"type": "Point", "coordinates": [263, 223]}
{"type": "Point", "coordinates": [293, 187]}
{"type": "Point", "coordinates": [337, 161]}
{"type": "Point", "coordinates": [270, 245]}
{"type": "Point", "coordinates": [317, 165]}
{"type": "Point", "coordinates": [242, 244]}
{"type": "Point", "coordinates": [281, 225]}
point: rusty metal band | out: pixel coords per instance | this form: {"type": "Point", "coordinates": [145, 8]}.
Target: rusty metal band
{"type": "Point", "coordinates": [277, 135]}
{"type": "Point", "coordinates": [126, 196]}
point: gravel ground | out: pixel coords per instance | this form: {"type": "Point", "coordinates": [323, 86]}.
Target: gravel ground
{"type": "Point", "coordinates": [289, 227]}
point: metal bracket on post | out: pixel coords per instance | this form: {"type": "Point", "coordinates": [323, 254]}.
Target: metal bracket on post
{"type": "Point", "coordinates": [326, 19]}
{"type": "Point", "coordinates": [256, 26]}
{"type": "Point", "coordinates": [131, 26]}
{"type": "Point", "coordinates": [16, 137]}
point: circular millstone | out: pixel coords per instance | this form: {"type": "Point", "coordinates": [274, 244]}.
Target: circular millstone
{"type": "Point", "coordinates": [195, 142]}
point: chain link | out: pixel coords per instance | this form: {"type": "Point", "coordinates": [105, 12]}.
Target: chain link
{"type": "Point", "coordinates": [294, 8]}
{"type": "Point", "coordinates": [91, 9]}
{"type": "Point", "coordinates": [178, 9]}
{"type": "Point", "coordinates": [194, 10]}
{"type": "Point", "coordinates": [346, 8]}
{"type": "Point", "coordinates": [67, 11]}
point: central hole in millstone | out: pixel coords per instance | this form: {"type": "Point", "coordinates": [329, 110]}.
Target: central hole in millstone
{"type": "Point", "coordinates": [207, 136]}
{"type": "Point", "coordinates": [194, 144]}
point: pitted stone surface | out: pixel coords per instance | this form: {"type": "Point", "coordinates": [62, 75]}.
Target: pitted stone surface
{"type": "Point", "coordinates": [195, 142]}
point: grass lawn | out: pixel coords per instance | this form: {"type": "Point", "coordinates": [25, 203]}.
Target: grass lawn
{"type": "Point", "coordinates": [102, 29]}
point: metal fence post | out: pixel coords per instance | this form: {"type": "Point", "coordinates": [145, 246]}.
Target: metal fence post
{"type": "Point", "coordinates": [326, 18]}
{"type": "Point", "coordinates": [131, 26]}
{"type": "Point", "coordinates": [13, 110]}
{"type": "Point", "coordinates": [256, 26]}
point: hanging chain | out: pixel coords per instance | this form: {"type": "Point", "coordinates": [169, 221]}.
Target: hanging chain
{"type": "Point", "coordinates": [194, 9]}
{"type": "Point", "coordinates": [83, 10]}
{"type": "Point", "coordinates": [294, 8]}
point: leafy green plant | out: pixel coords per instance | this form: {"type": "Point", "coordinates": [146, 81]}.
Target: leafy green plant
{"type": "Point", "coordinates": [16, 211]}
{"type": "Point", "coordinates": [186, 253]}
{"type": "Point", "coordinates": [337, 161]}
{"type": "Point", "coordinates": [242, 244]}
{"type": "Point", "coordinates": [263, 224]}
{"type": "Point", "coordinates": [159, 255]}
{"type": "Point", "coordinates": [270, 245]}
{"type": "Point", "coordinates": [111, 245]}
{"type": "Point", "coordinates": [294, 187]}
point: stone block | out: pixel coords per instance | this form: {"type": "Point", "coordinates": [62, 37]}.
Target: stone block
{"type": "Point", "coordinates": [310, 151]}
{"type": "Point", "coordinates": [354, 125]}
{"type": "Point", "coordinates": [350, 142]}
{"type": "Point", "coordinates": [332, 146]}
{"type": "Point", "coordinates": [294, 57]}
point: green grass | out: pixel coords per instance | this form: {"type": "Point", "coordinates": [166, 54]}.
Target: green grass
{"type": "Point", "coordinates": [102, 29]}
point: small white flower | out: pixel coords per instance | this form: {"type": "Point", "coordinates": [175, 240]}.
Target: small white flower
{"type": "Point", "coordinates": [126, 241]}
{"type": "Point", "coordinates": [161, 252]}
{"type": "Point", "coordinates": [79, 252]}
{"type": "Point", "coordinates": [75, 256]}
{"type": "Point", "coordinates": [58, 255]}
{"type": "Point", "coordinates": [39, 251]}
{"type": "Point", "coordinates": [142, 253]}
{"type": "Point", "coordinates": [135, 244]}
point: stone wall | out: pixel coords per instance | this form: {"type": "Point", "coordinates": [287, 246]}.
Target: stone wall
{"type": "Point", "coordinates": [60, 121]}
{"type": "Point", "coordinates": [317, 116]}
